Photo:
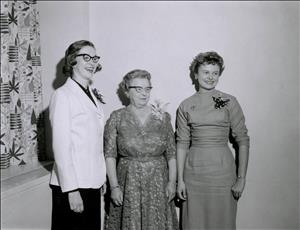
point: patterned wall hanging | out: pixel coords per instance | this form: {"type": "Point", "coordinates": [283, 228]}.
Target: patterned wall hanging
{"type": "Point", "coordinates": [22, 125]}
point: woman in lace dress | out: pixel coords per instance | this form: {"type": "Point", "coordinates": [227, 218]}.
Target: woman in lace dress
{"type": "Point", "coordinates": [139, 148]}
{"type": "Point", "coordinates": [207, 177]}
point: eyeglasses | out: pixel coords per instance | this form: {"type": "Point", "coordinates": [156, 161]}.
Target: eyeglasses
{"type": "Point", "coordinates": [87, 57]}
{"type": "Point", "coordinates": [140, 89]}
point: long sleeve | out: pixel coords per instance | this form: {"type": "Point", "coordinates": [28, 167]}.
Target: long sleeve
{"type": "Point", "coordinates": [182, 129]}
{"type": "Point", "coordinates": [60, 118]}
{"type": "Point", "coordinates": [171, 148]}
{"type": "Point", "coordinates": [110, 136]}
{"type": "Point", "coordinates": [237, 124]}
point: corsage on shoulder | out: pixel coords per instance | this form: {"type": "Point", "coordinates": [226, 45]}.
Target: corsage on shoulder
{"type": "Point", "coordinates": [98, 95]}
{"type": "Point", "coordinates": [158, 109]}
{"type": "Point", "coordinates": [220, 102]}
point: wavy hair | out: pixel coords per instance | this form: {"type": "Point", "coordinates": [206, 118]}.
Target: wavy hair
{"type": "Point", "coordinates": [70, 56]}
{"type": "Point", "coordinates": [137, 73]}
{"type": "Point", "coordinates": [206, 58]}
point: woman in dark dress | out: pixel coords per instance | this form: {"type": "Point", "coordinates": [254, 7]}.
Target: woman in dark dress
{"type": "Point", "coordinates": [139, 148]}
{"type": "Point", "coordinates": [208, 181]}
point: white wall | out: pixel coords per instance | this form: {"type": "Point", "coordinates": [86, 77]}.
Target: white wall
{"type": "Point", "coordinates": [260, 44]}
{"type": "Point", "coordinates": [61, 23]}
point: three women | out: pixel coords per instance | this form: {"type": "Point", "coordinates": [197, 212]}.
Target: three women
{"type": "Point", "coordinates": [140, 152]}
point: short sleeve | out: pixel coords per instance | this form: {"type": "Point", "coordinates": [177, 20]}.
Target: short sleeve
{"type": "Point", "coordinates": [237, 124]}
{"type": "Point", "coordinates": [182, 129]}
{"type": "Point", "coordinates": [171, 149]}
{"type": "Point", "coordinates": [110, 136]}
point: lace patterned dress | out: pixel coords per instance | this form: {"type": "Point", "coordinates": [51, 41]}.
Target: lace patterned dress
{"type": "Point", "coordinates": [142, 151]}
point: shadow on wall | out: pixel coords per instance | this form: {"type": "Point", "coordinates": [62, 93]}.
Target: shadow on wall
{"type": "Point", "coordinates": [45, 143]}
{"type": "Point", "coordinates": [122, 96]}
{"type": "Point", "coordinates": [235, 147]}
{"type": "Point", "coordinates": [60, 78]}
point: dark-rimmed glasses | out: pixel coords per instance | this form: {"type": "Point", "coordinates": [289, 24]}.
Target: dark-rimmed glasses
{"type": "Point", "coordinates": [87, 57]}
{"type": "Point", "coordinates": [140, 89]}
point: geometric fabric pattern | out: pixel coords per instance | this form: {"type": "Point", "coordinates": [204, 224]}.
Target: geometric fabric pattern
{"type": "Point", "coordinates": [22, 123]}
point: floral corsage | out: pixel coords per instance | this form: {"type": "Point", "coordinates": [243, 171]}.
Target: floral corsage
{"type": "Point", "coordinates": [98, 95]}
{"type": "Point", "coordinates": [158, 109]}
{"type": "Point", "coordinates": [220, 102]}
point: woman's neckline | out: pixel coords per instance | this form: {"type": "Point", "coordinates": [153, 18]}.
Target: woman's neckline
{"type": "Point", "coordinates": [208, 92]}
{"type": "Point", "coordinates": [142, 122]}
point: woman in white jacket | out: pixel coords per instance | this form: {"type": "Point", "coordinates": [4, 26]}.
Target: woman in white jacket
{"type": "Point", "coordinates": [76, 116]}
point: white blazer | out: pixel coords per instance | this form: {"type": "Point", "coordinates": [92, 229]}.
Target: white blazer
{"type": "Point", "coordinates": [77, 135]}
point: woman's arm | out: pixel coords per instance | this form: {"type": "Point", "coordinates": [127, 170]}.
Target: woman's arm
{"type": "Point", "coordinates": [111, 171]}
{"type": "Point", "coordinates": [172, 170]}
{"type": "Point", "coordinates": [240, 134]}
{"type": "Point", "coordinates": [60, 117]}
{"type": "Point", "coordinates": [61, 121]}
{"type": "Point", "coordinates": [111, 153]}
{"type": "Point", "coordinates": [171, 186]}
{"type": "Point", "coordinates": [243, 161]}
{"type": "Point", "coordinates": [183, 141]}
{"type": "Point", "coordinates": [238, 187]}
{"type": "Point", "coordinates": [116, 193]}
{"type": "Point", "coordinates": [171, 158]}
{"type": "Point", "coordinates": [181, 189]}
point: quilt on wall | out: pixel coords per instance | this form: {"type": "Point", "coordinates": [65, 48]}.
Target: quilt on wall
{"type": "Point", "coordinates": [22, 126]}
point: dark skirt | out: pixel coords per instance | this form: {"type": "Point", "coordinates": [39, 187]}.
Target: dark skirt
{"type": "Point", "coordinates": [64, 218]}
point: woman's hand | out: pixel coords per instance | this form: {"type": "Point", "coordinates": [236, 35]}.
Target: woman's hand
{"type": "Point", "coordinates": [75, 201]}
{"type": "Point", "coordinates": [181, 190]}
{"type": "Point", "coordinates": [170, 190]}
{"type": "Point", "coordinates": [238, 188]}
{"type": "Point", "coordinates": [117, 196]}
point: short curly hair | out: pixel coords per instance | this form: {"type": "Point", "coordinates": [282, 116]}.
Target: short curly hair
{"type": "Point", "coordinates": [207, 58]}
{"type": "Point", "coordinates": [70, 56]}
{"type": "Point", "coordinates": [137, 73]}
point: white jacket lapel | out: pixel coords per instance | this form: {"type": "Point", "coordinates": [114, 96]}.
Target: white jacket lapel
{"type": "Point", "coordinates": [98, 103]}
{"type": "Point", "coordinates": [83, 98]}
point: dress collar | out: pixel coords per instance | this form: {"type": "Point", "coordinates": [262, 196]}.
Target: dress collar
{"type": "Point", "coordinates": [207, 93]}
